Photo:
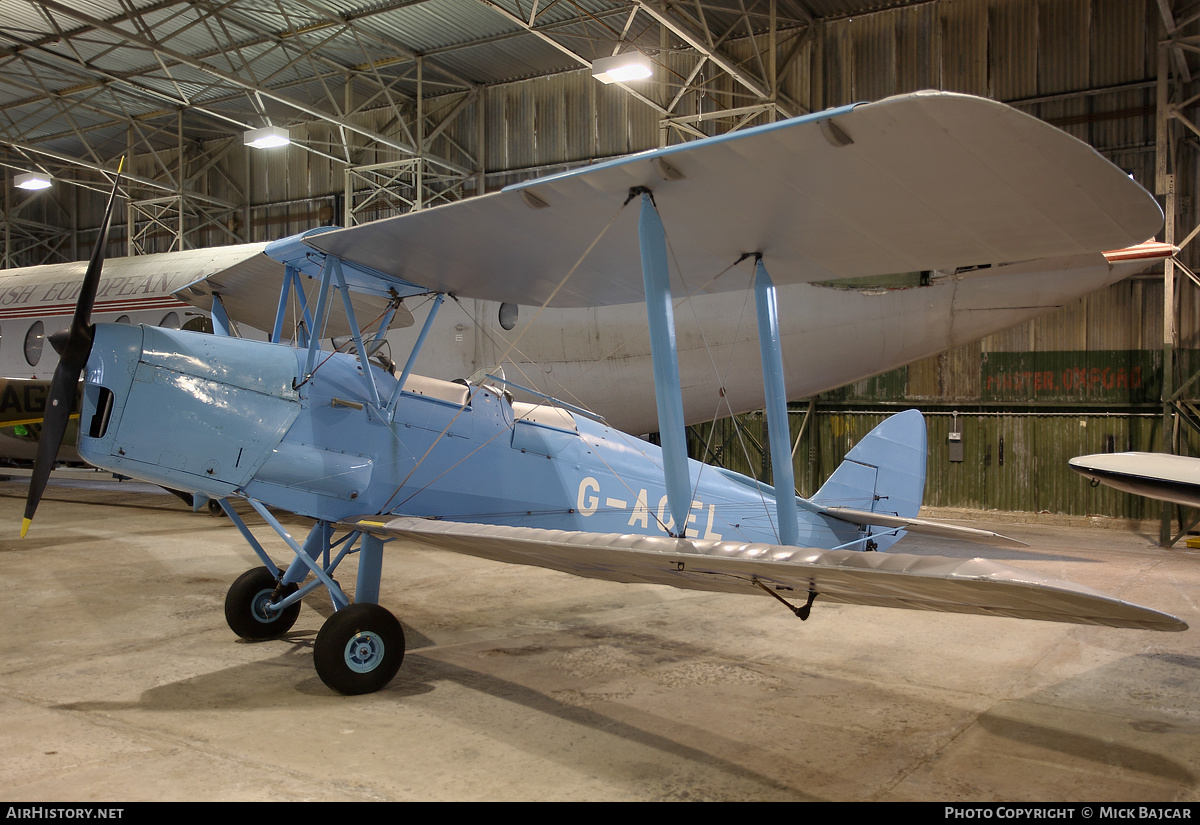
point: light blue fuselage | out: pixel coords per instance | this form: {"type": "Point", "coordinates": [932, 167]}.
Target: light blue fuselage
{"type": "Point", "coordinates": [226, 416]}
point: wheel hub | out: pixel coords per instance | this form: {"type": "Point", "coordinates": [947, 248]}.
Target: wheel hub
{"type": "Point", "coordinates": [261, 607]}
{"type": "Point", "coordinates": [364, 652]}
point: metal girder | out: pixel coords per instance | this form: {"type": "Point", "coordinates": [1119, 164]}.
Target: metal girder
{"type": "Point", "coordinates": [109, 171]}
{"type": "Point", "coordinates": [31, 243]}
{"type": "Point", "coordinates": [380, 190]}
{"type": "Point", "coordinates": [702, 43]}
{"type": "Point", "coordinates": [668, 31]}
{"type": "Point", "coordinates": [1176, 132]}
{"type": "Point", "coordinates": [256, 88]}
{"type": "Point", "coordinates": [222, 89]}
{"type": "Point", "coordinates": [175, 217]}
{"type": "Point", "coordinates": [80, 87]}
{"type": "Point", "coordinates": [531, 26]}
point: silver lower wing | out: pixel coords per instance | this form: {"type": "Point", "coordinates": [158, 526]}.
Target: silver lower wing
{"type": "Point", "coordinates": [938, 583]}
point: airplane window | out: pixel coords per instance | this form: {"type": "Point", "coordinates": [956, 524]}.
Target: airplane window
{"type": "Point", "coordinates": [33, 343]}
{"type": "Point", "coordinates": [169, 321]}
{"type": "Point", "coordinates": [508, 315]}
{"type": "Point", "coordinates": [124, 319]}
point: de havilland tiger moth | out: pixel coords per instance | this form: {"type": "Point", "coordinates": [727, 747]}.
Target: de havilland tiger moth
{"type": "Point", "coordinates": [969, 192]}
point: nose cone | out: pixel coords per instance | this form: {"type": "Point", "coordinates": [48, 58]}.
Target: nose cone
{"type": "Point", "coordinates": [107, 376]}
{"type": "Point", "coordinates": [116, 349]}
{"type": "Point", "coordinates": [58, 340]}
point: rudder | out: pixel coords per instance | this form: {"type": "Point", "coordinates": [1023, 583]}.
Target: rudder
{"type": "Point", "coordinates": [884, 472]}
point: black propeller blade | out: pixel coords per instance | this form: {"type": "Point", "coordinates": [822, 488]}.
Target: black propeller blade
{"type": "Point", "coordinates": [71, 361]}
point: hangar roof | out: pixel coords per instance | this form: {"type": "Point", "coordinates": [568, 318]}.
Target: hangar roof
{"type": "Point", "coordinates": [81, 81]}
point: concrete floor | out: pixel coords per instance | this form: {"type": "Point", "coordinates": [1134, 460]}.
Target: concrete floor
{"type": "Point", "coordinates": [119, 680]}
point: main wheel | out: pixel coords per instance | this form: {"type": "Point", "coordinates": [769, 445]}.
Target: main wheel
{"type": "Point", "coordinates": [246, 609]}
{"type": "Point", "coordinates": [359, 649]}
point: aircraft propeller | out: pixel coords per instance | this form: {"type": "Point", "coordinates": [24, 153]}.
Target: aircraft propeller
{"type": "Point", "coordinates": [73, 356]}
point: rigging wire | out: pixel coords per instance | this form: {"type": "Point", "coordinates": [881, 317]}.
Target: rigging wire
{"type": "Point", "coordinates": [489, 332]}
{"type": "Point", "coordinates": [708, 351]}
{"type": "Point", "coordinates": [347, 344]}
{"type": "Point", "coordinates": [506, 354]}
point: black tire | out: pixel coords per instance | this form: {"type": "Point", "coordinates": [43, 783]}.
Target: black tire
{"type": "Point", "coordinates": [245, 610]}
{"type": "Point", "coordinates": [214, 508]}
{"type": "Point", "coordinates": [359, 649]}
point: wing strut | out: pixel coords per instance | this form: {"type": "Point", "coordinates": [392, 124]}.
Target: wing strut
{"type": "Point", "coordinates": [222, 323]}
{"type": "Point", "coordinates": [335, 264]}
{"type": "Point", "coordinates": [667, 393]}
{"type": "Point", "coordinates": [292, 284]}
{"type": "Point", "coordinates": [778, 432]}
{"type": "Point", "coordinates": [394, 400]}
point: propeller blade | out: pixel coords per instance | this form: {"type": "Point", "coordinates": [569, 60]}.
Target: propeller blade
{"type": "Point", "coordinates": [72, 358]}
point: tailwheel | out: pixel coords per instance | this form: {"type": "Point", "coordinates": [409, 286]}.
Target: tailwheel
{"type": "Point", "coordinates": [359, 649]}
{"type": "Point", "coordinates": [246, 606]}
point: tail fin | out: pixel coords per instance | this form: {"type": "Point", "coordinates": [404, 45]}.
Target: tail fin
{"type": "Point", "coordinates": [883, 473]}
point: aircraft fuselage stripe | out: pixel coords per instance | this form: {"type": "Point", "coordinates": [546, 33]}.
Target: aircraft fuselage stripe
{"type": "Point", "coordinates": [101, 306]}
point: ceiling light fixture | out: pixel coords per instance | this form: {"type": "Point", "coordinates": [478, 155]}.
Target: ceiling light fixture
{"type": "Point", "coordinates": [622, 67]}
{"type": "Point", "coordinates": [267, 137]}
{"type": "Point", "coordinates": [32, 181]}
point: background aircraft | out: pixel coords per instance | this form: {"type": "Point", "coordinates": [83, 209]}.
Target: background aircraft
{"type": "Point", "coordinates": [1163, 476]}
{"type": "Point", "coordinates": [927, 182]}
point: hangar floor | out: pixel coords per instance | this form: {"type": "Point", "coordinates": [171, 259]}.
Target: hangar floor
{"type": "Point", "coordinates": [119, 680]}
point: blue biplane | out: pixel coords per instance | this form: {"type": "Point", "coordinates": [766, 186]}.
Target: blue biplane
{"type": "Point", "coordinates": [923, 182]}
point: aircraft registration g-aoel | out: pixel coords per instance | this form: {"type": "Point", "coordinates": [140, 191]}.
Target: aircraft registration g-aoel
{"type": "Point", "coordinates": [928, 182]}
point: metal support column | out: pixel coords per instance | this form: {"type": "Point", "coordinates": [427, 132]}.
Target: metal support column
{"type": "Point", "coordinates": [1176, 130]}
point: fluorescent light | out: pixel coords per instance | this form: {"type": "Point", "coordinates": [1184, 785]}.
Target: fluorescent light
{"type": "Point", "coordinates": [32, 180]}
{"type": "Point", "coordinates": [622, 67]}
{"type": "Point", "coordinates": [267, 137]}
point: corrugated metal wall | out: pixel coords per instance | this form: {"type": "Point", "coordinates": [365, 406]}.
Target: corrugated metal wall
{"type": "Point", "coordinates": [1014, 461]}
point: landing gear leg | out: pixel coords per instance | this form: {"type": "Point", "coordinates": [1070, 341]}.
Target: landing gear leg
{"type": "Point", "coordinates": [361, 646]}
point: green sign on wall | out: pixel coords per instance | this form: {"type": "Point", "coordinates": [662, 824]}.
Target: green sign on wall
{"type": "Point", "coordinates": [1116, 376]}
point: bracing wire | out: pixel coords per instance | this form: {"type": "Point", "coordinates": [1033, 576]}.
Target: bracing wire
{"type": "Point", "coordinates": [506, 354]}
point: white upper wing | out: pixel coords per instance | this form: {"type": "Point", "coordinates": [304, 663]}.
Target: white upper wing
{"type": "Point", "coordinates": [929, 181]}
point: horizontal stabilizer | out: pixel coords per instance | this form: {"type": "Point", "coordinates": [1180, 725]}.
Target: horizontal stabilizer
{"type": "Point", "coordinates": [926, 527]}
{"type": "Point", "coordinates": [974, 586]}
